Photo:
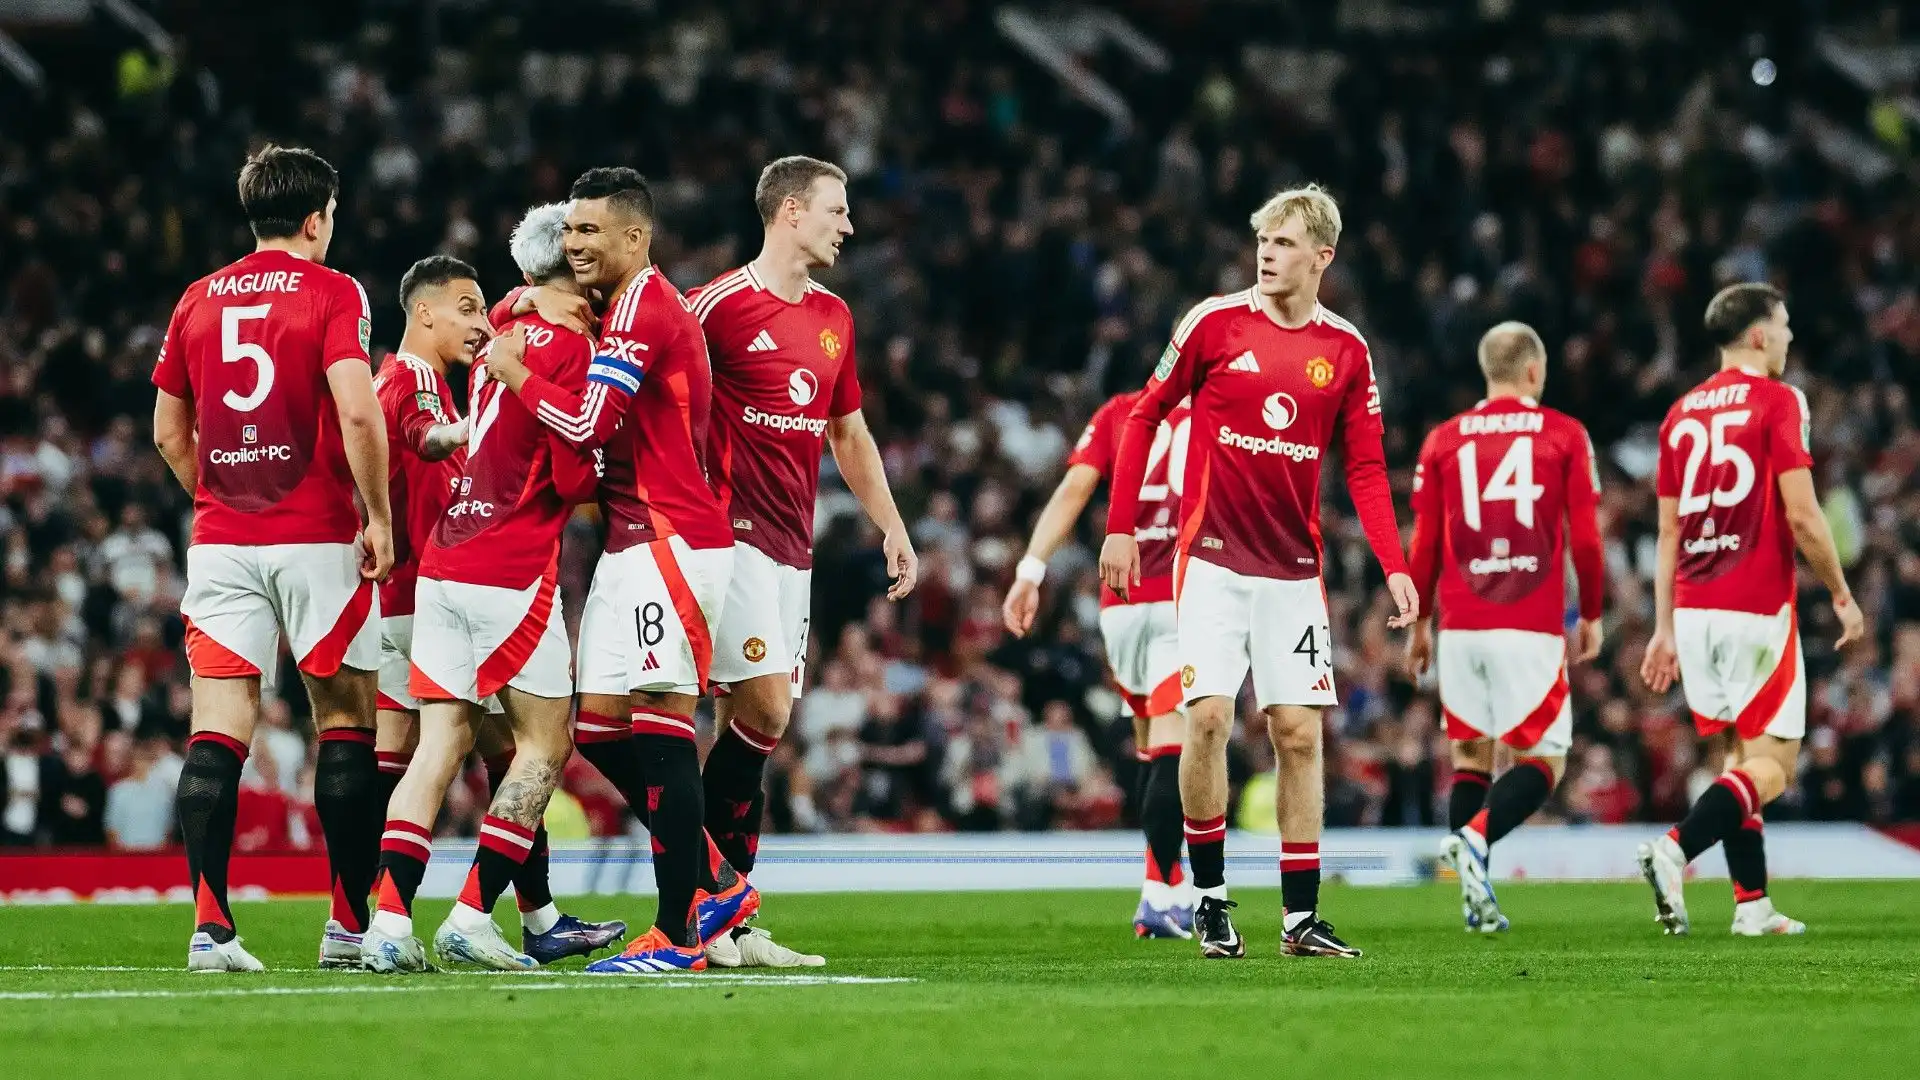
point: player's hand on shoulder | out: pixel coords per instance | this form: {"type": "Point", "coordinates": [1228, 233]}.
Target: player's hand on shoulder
{"type": "Point", "coordinates": [1588, 636]}
{"type": "Point", "coordinates": [903, 563]}
{"type": "Point", "coordinates": [1660, 668]}
{"type": "Point", "coordinates": [1020, 607]}
{"type": "Point", "coordinates": [1120, 562]}
{"type": "Point", "coordinates": [569, 311]}
{"type": "Point", "coordinates": [1853, 622]}
{"type": "Point", "coordinates": [1419, 649]}
{"type": "Point", "coordinates": [506, 358]}
{"type": "Point", "coordinates": [376, 551]}
{"type": "Point", "coordinates": [1406, 600]}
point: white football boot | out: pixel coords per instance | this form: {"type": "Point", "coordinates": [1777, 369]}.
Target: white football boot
{"type": "Point", "coordinates": [750, 946]}
{"type": "Point", "coordinates": [339, 948]}
{"type": "Point", "coordinates": [1756, 918]}
{"type": "Point", "coordinates": [205, 954]}
{"type": "Point", "coordinates": [1664, 866]}
{"type": "Point", "coordinates": [479, 945]}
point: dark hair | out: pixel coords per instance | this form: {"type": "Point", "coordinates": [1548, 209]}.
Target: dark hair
{"type": "Point", "coordinates": [623, 188]}
{"type": "Point", "coordinates": [1737, 307]}
{"type": "Point", "coordinates": [280, 186]}
{"type": "Point", "coordinates": [431, 272]}
{"type": "Point", "coordinates": [790, 178]}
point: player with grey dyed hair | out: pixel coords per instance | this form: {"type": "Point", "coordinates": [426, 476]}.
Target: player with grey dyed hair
{"type": "Point", "coordinates": [537, 247]}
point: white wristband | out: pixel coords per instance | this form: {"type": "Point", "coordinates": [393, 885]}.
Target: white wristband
{"type": "Point", "coordinates": [1031, 569]}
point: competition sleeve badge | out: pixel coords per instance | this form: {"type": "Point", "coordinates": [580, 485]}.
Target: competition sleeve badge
{"type": "Point", "coordinates": [1167, 359]}
{"type": "Point", "coordinates": [366, 334]}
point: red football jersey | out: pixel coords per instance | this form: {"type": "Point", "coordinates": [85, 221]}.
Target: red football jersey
{"type": "Point", "coordinates": [651, 371]}
{"type": "Point", "coordinates": [250, 346]}
{"type": "Point", "coordinates": [1722, 448]}
{"type": "Point", "coordinates": [413, 398]}
{"type": "Point", "coordinates": [771, 361]}
{"type": "Point", "coordinates": [1493, 494]}
{"type": "Point", "coordinates": [1155, 527]}
{"type": "Point", "coordinates": [1267, 402]}
{"type": "Point", "coordinates": [519, 478]}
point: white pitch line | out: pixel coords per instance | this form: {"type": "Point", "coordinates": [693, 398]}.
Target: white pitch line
{"type": "Point", "coordinates": [691, 982]}
{"type": "Point", "coordinates": [501, 976]}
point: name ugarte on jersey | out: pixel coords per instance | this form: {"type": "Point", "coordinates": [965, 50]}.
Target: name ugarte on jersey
{"type": "Point", "coordinates": [1718, 397]}
{"type": "Point", "coordinates": [260, 281]}
{"type": "Point", "coordinates": [1503, 423]}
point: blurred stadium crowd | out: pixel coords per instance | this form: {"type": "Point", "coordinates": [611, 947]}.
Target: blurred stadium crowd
{"type": "Point", "coordinates": [1018, 257]}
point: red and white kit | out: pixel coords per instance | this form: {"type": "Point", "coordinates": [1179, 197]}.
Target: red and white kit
{"type": "Point", "coordinates": [1502, 491]}
{"type": "Point", "coordinates": [1142, 632]}
{"type": "Point", "coordinates": [1267, 403]}
{"type": "Point", "coordinates": [273, 547]}
{"type": "Point", "coordinates": [658, 590]}
{"type": "Point", "coordinates": [487, 607]}
{"type": "Point", "coordinates": [780, 372]}
{"type": "Point", "coordinates": [1722, 450]}
{"type": "Point", "coordinates": [413, 397]}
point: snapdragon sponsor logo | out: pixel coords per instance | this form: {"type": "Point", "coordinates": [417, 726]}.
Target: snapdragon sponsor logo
{"type": "Point", "coordinates": [1253, 444]}
{"type": "Point", "coordinates": [784, 423]}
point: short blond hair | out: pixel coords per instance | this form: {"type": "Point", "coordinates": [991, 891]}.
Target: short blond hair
{"type": "Point", "coordinates": [1506, 350]}
{"type": "Point", "coordinates": [1318, 213]}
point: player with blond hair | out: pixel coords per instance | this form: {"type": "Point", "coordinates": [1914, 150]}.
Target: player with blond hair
{"type": "Point", "coordinates": [1275, 379]}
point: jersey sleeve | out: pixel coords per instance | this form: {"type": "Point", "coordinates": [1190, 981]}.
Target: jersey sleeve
{"type": "Point", "coordinates": [347, 333]}
{"type": "Point", "coordinates": [170, 368]}
{"type": "Point", "coordinates": [1582, 485]}
{"type": "Point", "coordinates": [846, 388]}
{"type": "Point", "coordinates": [1178, 374]}
{"type": "Point", "coordinates": [502, 313]}
{"type": "Point", "coordinates": [412, 406]}
{"type": "Point", "coordinates": [1096, 443]}
{"type": "Point", "coordinates": [1366, 460]}
{"type": "Point", "coordinates": [1666, 473]}
{"type": "Point", "coordinates": [576, 468]}
{"type": "Point", "coordinates": [589, 417]}
{"type": "Point", "coordinates": [1790, 432]}
{"type": "Point", "coordinates": [1429, 516]}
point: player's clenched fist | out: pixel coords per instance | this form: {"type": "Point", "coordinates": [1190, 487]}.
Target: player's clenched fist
{"type": "Point", "coordinates": [1120, 562]}
{"type": "Point", "coordinates": [376, 551]}
{"type": "Point", "coordinates": [506, 358]}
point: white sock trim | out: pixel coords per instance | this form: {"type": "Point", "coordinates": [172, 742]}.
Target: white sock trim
{"type": "Point", "coordinates": [541, 919]}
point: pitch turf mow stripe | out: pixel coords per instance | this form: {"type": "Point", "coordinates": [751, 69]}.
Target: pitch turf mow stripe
{"type": "Point", "coordinates": [508, 985]}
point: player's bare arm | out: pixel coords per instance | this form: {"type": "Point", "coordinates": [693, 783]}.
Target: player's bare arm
{"type": "Point", "coordinates": [443, 439]}
{"type": "Point", "coordinates": [1660, 669]}
{"type": "Point", "coordinates": [1056, 520]}
{"type": "Point", "coordinates": [173, 436]}
{"type": "Point", "coordinates": [364, 432]}
{"type": "Point", "coordinates": [1815, 541]}
{"type": "Point", "coordinates": [866, 475]}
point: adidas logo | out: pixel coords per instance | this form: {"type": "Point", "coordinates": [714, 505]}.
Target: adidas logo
{"type": "Point", "coordinates": [1245, 362]}
{"type": "Point", "coordinates": [762, 342]}
{"type": "Point", "coordinates": [1325, 683]}
{"type": "Point", "coordinates": [652, 663]}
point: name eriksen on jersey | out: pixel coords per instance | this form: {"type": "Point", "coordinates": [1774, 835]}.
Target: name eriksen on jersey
{"type": "Point", "coordinates": [1502, 423]}
{"type": "Point", "coordinates": [265, 281]}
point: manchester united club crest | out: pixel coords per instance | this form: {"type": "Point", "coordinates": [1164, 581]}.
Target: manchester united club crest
{"type": "Point", "coordinates": [754, 649]}
{"type": "Point", "coordinates": [1319, 372]}
{"type": "Point", "coordinates": [1186, 677]}
{"type": "Point", "coordinates": [830, 344]}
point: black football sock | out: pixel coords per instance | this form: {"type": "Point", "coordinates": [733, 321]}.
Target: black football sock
{"type": "Point", "coordinates": [1746, 852]}
{"type": "Point", "coordinates": [1207, 851]}
{"type": "Point", "coordinates": [735, 786]}
{"type": "Point", "coordinates": [1160, 816]}
{"type": "Point", "coordinates": [1519, 792]}
{"type": "Point", "coordinates": [1469, 794]}
{"type": "Point", "coordinates": [1299, 876]}
{"type": "Point", "coordinates": [1718, 812]}
{"type": "Point", "coordinates": [404, 850]}
{"type": "Point", "coordinates": [503, 849]}
{"type": "Point", "coordinates": [206, 803]}
{"type": "Point", "coordinates": [531, 890]}
{"type": "Point", "coordinates": [671, 764]}
{"type": "Point", "coordinates": [346, 799]}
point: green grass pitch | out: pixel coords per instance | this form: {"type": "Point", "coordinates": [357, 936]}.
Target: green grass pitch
{"type": "Point", "coordinates": [1005, 984]}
